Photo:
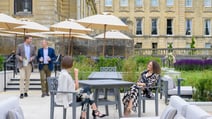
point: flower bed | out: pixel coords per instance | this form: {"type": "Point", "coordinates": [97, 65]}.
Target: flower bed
{"type": "Point", "coordinates": [193, 64]}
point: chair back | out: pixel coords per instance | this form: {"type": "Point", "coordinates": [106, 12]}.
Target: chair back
{"type": "Point", "coordinates": [52, 85]}
{"type": "Point", "coordinates": [108, 69]}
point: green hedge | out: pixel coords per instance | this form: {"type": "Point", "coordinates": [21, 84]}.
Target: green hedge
{"type": "Point", "coordinates": [1, 63]}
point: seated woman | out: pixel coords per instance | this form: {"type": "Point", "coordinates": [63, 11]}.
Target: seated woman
{"type": "Point", "coordinates": [66, 83]}
{"type": "Point", "coordinates": [147, 80]}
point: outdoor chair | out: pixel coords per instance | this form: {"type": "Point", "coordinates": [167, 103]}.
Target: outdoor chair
{"type": "Point", "coordinates": [53, 85]}
{"type": "Point", "coordinates": [108, 69]}
{"type": "Point", "coordinates": [169, 88]}
{"type": "Point", "coordinates": [143, 98]}
{"type": "Point", "coordinates": [106, 91]}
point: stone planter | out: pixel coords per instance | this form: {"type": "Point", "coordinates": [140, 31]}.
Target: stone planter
{"type": "Point", "coordinates": [9, 75]}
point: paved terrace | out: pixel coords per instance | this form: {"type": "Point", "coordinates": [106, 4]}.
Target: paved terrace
{"type": "Point", "coordinates": [35, 107]}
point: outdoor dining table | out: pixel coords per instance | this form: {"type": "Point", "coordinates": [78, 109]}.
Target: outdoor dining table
{"type": "Point", "coordinates": [105, 75]}
{"type": "Point", "coordinates": [107, 83]}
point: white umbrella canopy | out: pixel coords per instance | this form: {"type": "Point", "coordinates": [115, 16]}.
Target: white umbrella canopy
{"type": "Point", "coordinates": [67, 35]}
{"type": "Point", "coordinates": [8, 22]}
{"type": "Point", "coordinates": [69, 26]}
{"type": "Point", "coordinates": [30, 26]}
{"type": "Point", "coordinates": [103, 21]}
{"type": "Point", "coordinates": [113, 35]}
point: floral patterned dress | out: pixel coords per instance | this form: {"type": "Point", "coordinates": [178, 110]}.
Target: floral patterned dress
{"type": "Point", "coordinates": [150, 81]}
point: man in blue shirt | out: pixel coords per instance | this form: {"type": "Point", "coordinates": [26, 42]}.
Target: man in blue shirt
{"type": "Point", "coordinates": [46, 56]}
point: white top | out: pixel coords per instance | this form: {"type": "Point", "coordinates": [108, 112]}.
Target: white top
{"type": "Point", "coordinates": [65, 83]}
{"type": "Point", "coordinates": [45, 55]}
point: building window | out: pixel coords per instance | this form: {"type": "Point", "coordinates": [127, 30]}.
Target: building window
{"type": "Point", "coordinates": [138, 26]}
{"type": "Point", "coordinates": [208, 45]}
{"type": "Point", "coordinates": [154, 27]}
{"type": "Point", "coordinates": [154, 3]}
{"type": "Point", "coordinates": [207, 3]}
{"type": "Point", "coordinates": [169, 2]}
{"type": "Point", "coordinates": [207, 27]}
{"type": "Point", "coordinates": [188, 3]}
{"type": "Point", "coordinates": [169, 27]}
{"type": "Point", "coordinates": [108, 3]}
{"type": "Point", "coordinates": [138, 3]}
{"type": "Point", "coordinates": [138, 45]}
{"type": "Point", "coordinates": [188, 27]}
{"type": "Point", "coordinates": [123, 3]}
{"type": "Point", "coordinates": [22, 7]}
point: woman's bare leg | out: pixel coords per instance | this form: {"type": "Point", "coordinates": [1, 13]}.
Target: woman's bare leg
{"type": "Point", "coordinates": [128, 109]}
{"type": "Point", "coordinates": [83, 114]}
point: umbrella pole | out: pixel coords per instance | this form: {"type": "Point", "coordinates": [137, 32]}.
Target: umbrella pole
{"type": "Point", "coordinates": [69, 37]}
{"type": "Point", "coordinates": [104, 40]}
{"type": "Point", "coordinates": [113, 47]}
{"type": "Point", "coordinates": [15, 41]}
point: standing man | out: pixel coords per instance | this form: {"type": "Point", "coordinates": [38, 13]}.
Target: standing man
{"type": "Point", "coordinates": [25, 55]}
{"type": "Point", "coordinates": [46, 56]}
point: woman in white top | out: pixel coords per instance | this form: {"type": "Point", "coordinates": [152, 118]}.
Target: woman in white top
{"type": "Point", "coordinates": [66, 83]}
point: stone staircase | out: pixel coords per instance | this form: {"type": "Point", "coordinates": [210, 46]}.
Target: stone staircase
{"type": "Point", "coordinates": [13, 84]}
{"type": "Point", "coordinates": [35, 83]}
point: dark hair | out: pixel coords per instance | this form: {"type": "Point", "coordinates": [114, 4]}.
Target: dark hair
{"type": "Point", "coordinates": [156, 67]}
{"type": "Point", "coordinates": [67, 62]}
{"type": "Point", "coordinates": [27, 37]}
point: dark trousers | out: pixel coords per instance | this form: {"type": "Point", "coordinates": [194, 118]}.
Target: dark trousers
{"type": "Point", "coordinates": [44, 73]}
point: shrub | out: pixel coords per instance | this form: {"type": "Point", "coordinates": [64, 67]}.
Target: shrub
{"type": "Point", "coordinates": [1, 63]}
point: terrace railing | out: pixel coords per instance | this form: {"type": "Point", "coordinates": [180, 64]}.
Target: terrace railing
{"type": "Point", "coordinates": [202, 52]}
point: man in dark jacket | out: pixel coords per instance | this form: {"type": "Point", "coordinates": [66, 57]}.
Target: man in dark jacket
{"type": "Point", "coordinates": [46, 56]}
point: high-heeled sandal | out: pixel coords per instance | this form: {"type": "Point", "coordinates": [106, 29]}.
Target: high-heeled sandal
{"type": "Point", "coordinates": [82, 117]}
{"type": "Point", "coordinates": [96, 113]}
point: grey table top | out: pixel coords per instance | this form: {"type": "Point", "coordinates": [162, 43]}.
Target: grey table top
{"type": "Point", "coordinates": [105, 83]}
{"type": "Point", "coordinates": [105, 75]}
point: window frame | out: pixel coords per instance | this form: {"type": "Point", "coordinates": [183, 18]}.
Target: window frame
{"type": "Point", "coordinates": [154, 26]}
{"type": "Point", "coordinates": [140, 5]}
{"type": "Point", "coordinates": [124, 3]}
{"type": "Point", "coordinates": [168, 4]}
{"type": "Point", "coordinates": [154, 1]}
{"type": "Point", "coordinates": [186, 23]}
{"type": "Point", "coordinates": [108, 1]}
{"type": "Point", "coordinates": [141, 26]}
{"type": "Point", "coordinates": [171, 27]}
{"type": "Point", "coordinates": [209, 27]}
{"type": "Point", "coordinates": [188, 3]}
{"type": "Point", "coordinates": [207, 5]}
{"type": "Point", "coordinates": [24, 5]}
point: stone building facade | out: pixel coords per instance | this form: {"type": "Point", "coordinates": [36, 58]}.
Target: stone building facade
{"type": "Point", "coordinates": [152, 23]}
{"type": "Point", "coordinates": [157, 23]}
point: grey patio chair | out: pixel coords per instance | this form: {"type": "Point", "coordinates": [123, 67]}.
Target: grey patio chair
{"type": "Point", "coordinates": [143, 98]}
{"type": "Point", "coordinates": [170, 88]}
{"type": "Point", "coordinates": [108, 69]}
{"type": "Point", "coordinates": [53, 85]}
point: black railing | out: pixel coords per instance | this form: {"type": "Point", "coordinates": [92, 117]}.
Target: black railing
{"type": "Point", "coordinates": [9, 63]}
{"type": "Point", "coordinates": [57, 63]}
{"type": "Point", "coordinates": [202, 52]}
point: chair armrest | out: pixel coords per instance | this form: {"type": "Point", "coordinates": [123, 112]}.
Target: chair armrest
{"type": "Point", "coordinates": [178, 85]}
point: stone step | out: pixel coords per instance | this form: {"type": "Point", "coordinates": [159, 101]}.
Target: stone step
{"type": "Point", "coordinates": [16, 87]}
{"type": "Point", "coordinates": [17, 83]}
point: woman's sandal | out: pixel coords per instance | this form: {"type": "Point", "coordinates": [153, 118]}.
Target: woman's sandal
{"type": "Point", "coordinates": [96, 113]}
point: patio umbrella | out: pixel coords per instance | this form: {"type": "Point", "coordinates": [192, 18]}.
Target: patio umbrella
{"type": "Point", "coordinates": [30, 27]}
{"type": "Point", "coordinates": [8, 22]}
{"type": "Point", "coordinates": [113, 35]}
{"type": "Point", "coordinates": [69, 26]}
{"type": "Point", "coordinates": [105, 22]}
{"type": "Point", "coordinates": [67, 35]}
{"type": "Point", "coordinates": [16, 34]}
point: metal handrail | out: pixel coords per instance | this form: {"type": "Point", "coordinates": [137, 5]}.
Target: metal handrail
{"type": "Point", "coordinates": [55, 64]}
{"type": "Point", "coordinates": [5, 69]}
